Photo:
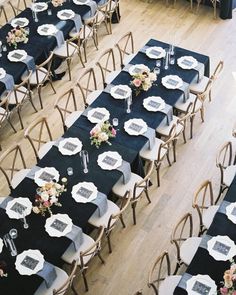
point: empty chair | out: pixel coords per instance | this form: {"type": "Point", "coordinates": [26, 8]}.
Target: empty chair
{"type": "Point", "coordinates": [61, 284]}
{"type": "Point", "coordinates": [199, 88]}
{"type": "Point", "coordinates": [214, 4]}
{"type": "Point", "coordinates": [112, 8]}
{"type": "Point", "coordinates": [13, 166]}
{"type": "Point", "coordinates": [40, 137]}
{"type": "Point", "coordinates": [137, 185]}
{"type": "Point", "coordinates": [203, 202]}
{"type": "Point", "coordinates": [110, 218]}
{"type": "Point", "coordinates": [87, 250]}
{"type": "Point", "coordinates": [125, 46]}
{"type": "Point", "coordinates": [107, 66]}
{"type": "Point", "coordinates": [67, 107]}
{"type": "Point", "coordinates": [3, 15]}
{"type": "Point", "coordinates": [87, 84]}
{"type": "Point", "coordinates": [160, 278]}
{"type": "Point", "coordinates": [182, 238]}
{"type": "Point", "coordinates": [224, 161]}
{"type": "Point", "coordinates": [103, 10]}
{"type": "Point", "coordinates": [41, 75]}
{"type": "Point", "coordinates": [159, 151]}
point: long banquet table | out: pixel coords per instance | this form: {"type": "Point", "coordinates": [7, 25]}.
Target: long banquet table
{"type": "Point", "coordinates": [128, 147]}
{"type": "Point", "coordinates": [202, 262]}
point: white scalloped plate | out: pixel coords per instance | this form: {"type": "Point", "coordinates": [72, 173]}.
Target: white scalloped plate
{"type": "Point", "coordinates": [46, 30]}
{"type": "Point", "coordinates": [20, 22]}
{"type": "Point", "coordinates": [80, 190]}
{"type": "Point", "coordinates": [70, 146]}
{"type": "Point", "coordinates": [65, 14]}
{"type": "Point", "coordinates": [155, 52]}
{"type": "Point", "coordinates": [154, 103]}
{"type": "Point", "coordinates": [187, 62]}
{"type": "Point", "coordinates": [50, 170]}
{"type": "Point", "coordinates": [16, 205]}
{"type": "Point", "coordinates": [58, 225]}
{"type": "Point", "coordinates": [135, 69]}
{"type": "Point", "coordinates": [202, 280]}
{"type": "Point", "coordinates": [120, 91]}
{"type": "Point", "coordinates": [39, 6]}
{"type": "Point", "coordinates": [135, 127]}
{"type": "Point", "coordinates": [109, 160]}
{"type": "Point", "coordinates": [221, 248]}
{"type": "Point", "coordinates": [2, 73]}
{"type": "Point", "coordinates": [98, 115]}
{"type": "Point", "coordinates": [17, 55]}
{"type": "Point", "coordinates": [172, 82]}
{"type": "Point", "coordinates": [35, 255]}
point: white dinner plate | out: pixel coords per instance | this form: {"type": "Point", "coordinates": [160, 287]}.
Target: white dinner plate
{"type": "Point", "coordinates": [120, 91]}
{"type": "Point", "coordinates": [2, 73]}
{"type": "Point", "coordinates": [135, 69]}
{"type": "Point", "coordinates": [65, 14]}
{"type": "Point", "coordinates": [58, 225]}
{"type": "Point", "coordinates": [29, 262]}
{"type": "Point", "coordinates": [39, 6]}
{"type": "Point", "coordinates": [109, 160]}
{"type": "Point", "coordinates": [70, 146]}
{"type": "Point", "coordinates": [203, 283]}
{"type": "Point", "coordinates": [17, 55]}
{"type": "Point", "coordinates": [155, 52]}
{"type": "Point", "coordinates": [81, 2]}
{"type": "Point", "coordinates": [18, 207]}
{"type": "Point", "coordinates": [20, 22]}
{"type": "Point", "coordinates": [98, 115]}
{"type": "Point", "coordinates": [172, 82]}
{"type": "Point", "coordinates": [154, 103]}
{"type": "Point", "coordinates": [221, 248]}
{"type": "Point", "coordinates": [46, 30]}
{"type": "Point", "coordinates": [231, 212]}
{"type": "Point", "coordinates": [45, 175]}
{"type": "Point", "coordinates": [84, 192]}
{"type": "Point", "coordinates": [135, 127]}
{"type": "Point", "coordinates": [187, 62]}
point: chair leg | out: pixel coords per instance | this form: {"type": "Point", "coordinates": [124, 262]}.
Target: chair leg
{"type": "Point", "coordinates": [69, 69]}
{"type": "Point", "coordinates": [40, 97]}
{"type": "Point", "coordinates": [174, 149]}
{"type": "Point", "coordinates": [210, 96]}
{"type": "Point", "coordinates": [51, 84]}
{"type": "Point", "coordinates": [184, 136]}
{"type": "Point", "coordinates": [178, 264]}
{"type": "Point", "coordinates": [158, 173]}
{"type": "Point", "coordinates": [9, 121]}
{"type": "Point", "coordinates": [133, 205]}
{"type": "Point", "coordinates": [19, 115]}
{"type": "Point", "coordinates": [168, 157]}
{"type": "Point", "coordinates": [31, 101]}
{"type": "Point", "coordinates": [122, 221]}
{"type": "Point", "coordinates": [109, 242]}
{"type": "Point", "coordinates": [191, 127]}
{"type": "Point", "coordinates": [100, 257]}
{"type": "Point", "coordinates": [147, 196]}
{"type": "Point", "coordinates": [202, 113]}
{"type": "Point", "coordinates": [85, 53]}
{"type": "Point", "coordinates": [81, 59]}
{"type": "Point", "coordinates": [85, 280]}
{"type": "Point", "coordinates": [73, 289]}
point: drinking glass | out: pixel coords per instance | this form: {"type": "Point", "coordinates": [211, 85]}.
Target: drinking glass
{"type": "Point", "coordinates": [70, 171]}
{"type": "Point", "coordinates": [172, 60]}
{"type": "Point", "coordinates": [128, 102]}
{"type": "Point", "coordinates": [157, 70]}
{"type": "Point", "coordinates": [13, 233]}
{"type": "Point", "coordinates": [4, 47]}
{"type": "Point", "coordinates": [158, 63]}
{"type": "Point", "coordinates": [115, 122]}
{"type": "Point", "coordinates": [84, 160]}
{"type": "Point", "coordinates": [172, 49]}
{"type": "Point", "coordinates": [49, 11]}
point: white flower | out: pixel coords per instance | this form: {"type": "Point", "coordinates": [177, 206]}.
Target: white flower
{"type": "Point", "coordinates": [152, 76]}
{"type": "Point", "coordinates": [36, 210]}
{"type": "Point", "coordinates": [57, 186]}
{"type": "Point", "coordinates": [103, 136]}
{"type": "Point", "coordinates": [53, 199]}
{"type": "Point", "coordinates": [44, 196]}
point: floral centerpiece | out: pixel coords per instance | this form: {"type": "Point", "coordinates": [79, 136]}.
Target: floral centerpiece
{"type": "Point", "coordinates": [17, 35]}
{"type": "Point", "coordinates": [47, 196]}
{"type": "Point", "coordinates": [142, 80]}
{"type": "Point", "coordinates": [57, 3]}
{"type": "Point", "coordinates": [229, 283]}
{"type": "Point", "coordinates": [101, 133]}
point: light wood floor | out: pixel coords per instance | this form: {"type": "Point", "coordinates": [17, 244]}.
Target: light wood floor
{"type": "Point", "coordinates": [135, 247]}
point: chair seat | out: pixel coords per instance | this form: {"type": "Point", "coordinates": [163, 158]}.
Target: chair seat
{"type": "Point", "coordinates": [86, 32]}
{"type": "Point", "coordinates": [152, 154]}
{"type": "Point", "coordinates": [103, 220]}
{"type": "Point", "coordinates": [189, 248]}
{"type": "Point", "coordinates": [208, 215]}
{"type": "Point", "coordinates": [164, 130]}
{"type": "Point", "coordinates": [62, 50]}
{"type": "Point", "coordinates": [20, 95]}
{"type": "Point", "coordinates": [229, 174]}
{"type": "Point", "coordinates": [183, 106]}
{"type": "Point", "coordinates": [119, 189]}
{"type": "Point", "coordinates": [71, 254]}
{"type": "Point", "coordinates": [128, 58]}
{"type": "Point", "coordinates": [93, 96]}
{"type": "Point", "coordinates": [57, 283]}
{"type": "Point", "coordinates": [70, 120]}
{"type": "Point", "coordinates": [45, 148]}
{"type": "Point", "coordinates": [111, 76]}
{"type": "Point", "coordinates": [169, 284]}
{"type": "Point", "coordinates": [18, 177]}
{"type": "Point", "coordinates": [41, 76]}
{"type": "Point", "coordinates": [3, 114]}
{"type": "Point", "coordinates": [197, 88]}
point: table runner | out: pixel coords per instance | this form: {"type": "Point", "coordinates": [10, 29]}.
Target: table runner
{"type": "Point", "coordinates": [8, 81]}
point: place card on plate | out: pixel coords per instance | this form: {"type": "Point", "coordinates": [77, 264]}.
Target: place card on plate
{"type": "Point", "coordinates": [98, 115]}
{"type": "Point", "coordinates": [29, 262]}
{"type": "Point", "coordinates": [18, 207]}
{"type": "Point", "coordinates": [187, 62]}
{"type": "Point", "coordinates": [20, 22]}
{"type": "Point", "coordinates": [70, 146]}
{"type": "Point", "coordinates": [45, 175]}
{"type": "Point", "coordinates": [221, 248]}
{"type": "Point", "coordinates": [2, 73]}
{"type": "Point", "coordinates": [109, 160]}
{"type": "Point", "coordinates": [135, 69]}
{"type": "Point", "coordinates": [17, 55]}
{"type": "Point", "coordinates": [135, 126]}
{"type": "Point", "coordinates": [47, 30]}
{"type": "Point", "coordinates": [231, 212]}
{"type": "Point", "coordinates": [154, 103]}
{"type": "Point", "coordinates": [155, 52]}
{"type": "Point", "coordinates": [201, 285]}
{"type": "Point", "coordinates": [172, 82]}
{"type": "Point", "coordinates": [39, 6]}
{"type": "Point", "coordinates": [65, 14]}
{"type": "Point", "coordinates": [58, 225]}
{"type": "Point", "coordinates": [120, 91]}
{"type": "Point", "coordinates": [84, 192]}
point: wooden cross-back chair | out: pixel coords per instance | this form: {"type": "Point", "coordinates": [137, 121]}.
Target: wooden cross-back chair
{"type": "Point", "coordinates": [3, 15]}
{"type": "Point", "coordinates": [214, 4]}
{"type": "Point", "coordinates": [103, 11]}
{"type": "Point", "coordinates": [17, 6]}
{"type": "Point", "coordinates": [87, 84]}
{"type": "Point", "coordinates": [39, 135]}
{"type": "Point", "coordinates": [224, 161]}
{"type": "Point", "coordinates": [13, 166]}
{"type": "Point", "coordinates": [125, 46]}
{"type": "Point", "coordinates": [67, 107]}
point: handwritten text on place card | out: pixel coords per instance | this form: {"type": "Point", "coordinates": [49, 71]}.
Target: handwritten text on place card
{"type": "Point", "coordinates": [29, 262]}
{"type": "Point", "coordinates": [18, 208]}
{"type": "Point", "coordinates": [46, 176]}
{"type": "Point", "coordinates": [120, 92]}
{"type": "Point", "coordinates": [69, 146]}
{"type": "Point", "coordinates": [84, 192]}
{"type": "Point", "coordinates": [201, 288]}
{"type": "Point", "coordinates": [59, 225]}
{"type": "Point", "coordinates": [135, 127]}
{"type": "Point", "coordinates": [154, 104]}
{"type": "Point", "coordinates": [109, 161]}
{"type": "Point", "coordinates": [221, 248]}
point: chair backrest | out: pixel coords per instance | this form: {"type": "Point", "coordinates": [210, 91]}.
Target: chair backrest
{"type": "Point", "coordinates": [202, 96]}
{"type": "Point", "coordinates": [68, 283]}
{"type": "Point", "coordinates": [17, 6]}
{"type": "Point", "coordinates": [66, 104]}
{"type": "Point", "coordinates": [183, 120]}
{"type": "Point", "coordinates": [115, 217]}
{"type": "Point", "coordinates": [125, 46]}
{"type": "Point", "coordinates": [144, 183]}
{"type": "Point", "coordinates": [224, 158]}
{"type": "Point", "coordinates": [25, 90]}
{"type": "Point", "coordinates": [87, 83]}
{"type": "Point", "coordinates": [4, 111]}
{"type": "Point", "coordinates": [12, 161]}
{"type": "Point", "coordinates": [93, 250]}
{"type": "Point", "coordinates": [166, 145]}
{"type": "Point", "coordinates": [41, 69]}
{"type": "Point", "coordinates": [106, 64]}
{"type": "Point", "coordinates": [203, 199]}
{"type": "Point", "coordinates": [217, 70]}
{"type": "Point", "coordinates": [159, 271]}
{"type": "Point", "coordinates": [182, 231]}
{"type": "Point", "coordinates": [38, 133]}
{"type": "Point", "coordinates": [3, 15]}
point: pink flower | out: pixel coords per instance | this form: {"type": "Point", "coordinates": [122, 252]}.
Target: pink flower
{"type": "Point", "coordinates": [137, 82]}
{"type": "Point", "coordinates": [47, 204]}
{"type": "Point", "coordinates": [224, 291]}
{"type": "Point", "coordinates": [113, 131]}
